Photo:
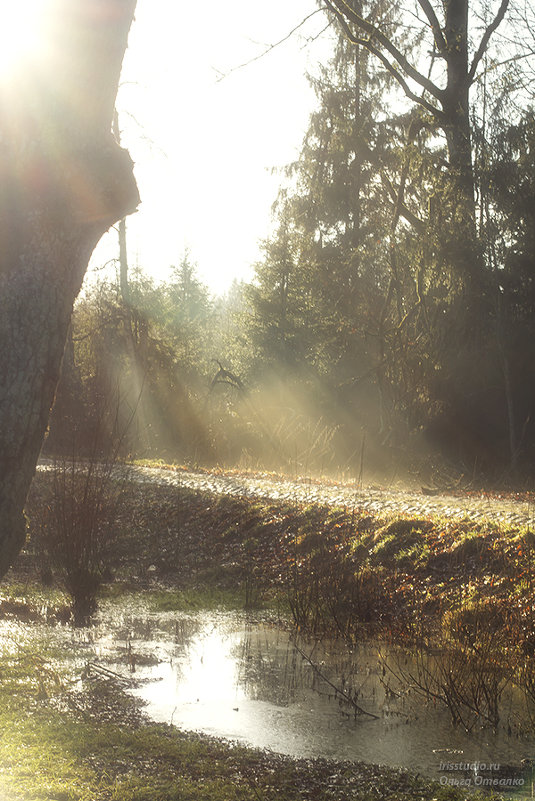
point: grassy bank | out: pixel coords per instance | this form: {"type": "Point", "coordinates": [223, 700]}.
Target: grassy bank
{"type": "Point", "coordinates": [334, 570]}
{"type": "Point", "coordinates": [465, 588]}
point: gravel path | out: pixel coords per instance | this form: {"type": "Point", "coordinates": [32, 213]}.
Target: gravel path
{"type": "Point", "coordinates": [375, 500]}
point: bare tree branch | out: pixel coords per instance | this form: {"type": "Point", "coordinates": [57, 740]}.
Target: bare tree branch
{"type": "Point", "coordinates": [269, 48]}
{"type": "Point", "coordinates": [485, 39]}
{"type": "Point", "coordinates": [402, 209]}
{"type": "Point", "coordinates": [312, 39]}
{"type": "Point", "coordinates": [391, 68]}
{"type": "Point", "coordinates": [344, 12]}
{"type": "Point", "coordinates": [429, 12]}
{"type": "Point", "coordinates": [394, 72]}
{"type": "Point", "coordinates": [339, 691]}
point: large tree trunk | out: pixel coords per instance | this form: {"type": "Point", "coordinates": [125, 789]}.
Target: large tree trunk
{"type": "Point", "coordinates": [457, 129]}
{"type": "Point", "coordinates": [455, 98]}
{"type": "Point", "coordinates": [63, 182]}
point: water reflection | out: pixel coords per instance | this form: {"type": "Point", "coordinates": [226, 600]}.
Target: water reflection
{"type": "Point", "coordinates": [246, 681]}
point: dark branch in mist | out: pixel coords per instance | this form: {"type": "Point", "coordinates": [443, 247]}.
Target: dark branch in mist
{"type": "Point", "coordinates": [312, 39]}
{"type": "Point", "coordinates": [401, 208]}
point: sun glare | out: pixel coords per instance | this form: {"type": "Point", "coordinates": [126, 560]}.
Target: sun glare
{"type": "Point", "coordinates": [20, 24]}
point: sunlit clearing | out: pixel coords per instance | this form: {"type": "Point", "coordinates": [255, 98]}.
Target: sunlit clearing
{"type": "Point", "coordinates": [20, 27]}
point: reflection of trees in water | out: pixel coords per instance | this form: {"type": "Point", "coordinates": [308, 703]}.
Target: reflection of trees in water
{"type": "Point", "coordinates": [185, 629]}
{"type": "Point", "coordinates": [379, 680]}
{"type": "Point", "coordinates": [269, 668]}
{"type": "Point", "coordinates": [152, 629]}
{"type": "Point", "coordinates": [140, 640]}
{"type": "Point", "coordinates": [279, 668]}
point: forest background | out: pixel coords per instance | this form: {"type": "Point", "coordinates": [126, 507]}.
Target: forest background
{"type": "Point", "coordinates": [389, 326]}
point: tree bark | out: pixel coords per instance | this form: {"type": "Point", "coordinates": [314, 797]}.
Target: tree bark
{"type": "Point", "coordinates": [455, 99]}
{"type": "Point", "coordinates": [456, 125]}
{"type": "Point", "coordinates": [63, 182]}
{"type": "Point", "coordinates": [123, 250]}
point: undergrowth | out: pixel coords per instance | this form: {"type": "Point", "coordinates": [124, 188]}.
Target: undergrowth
{"type": "Point", "coordinates": [339, 571]}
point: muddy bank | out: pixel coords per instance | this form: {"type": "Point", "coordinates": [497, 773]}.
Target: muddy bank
{"type": "Point", "coordinates": [335, 570]}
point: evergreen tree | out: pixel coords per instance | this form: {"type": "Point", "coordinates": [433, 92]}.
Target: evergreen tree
{"type": "Point", "coordinates": [186, 316]}
{"type": "Point", "coordinates": [279, 326]}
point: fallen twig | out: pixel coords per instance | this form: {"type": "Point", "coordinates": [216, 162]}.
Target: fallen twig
{"type": "Point", "coordinates": [339, 692]}
{"type": "Point", "coordinates": [110, 674]}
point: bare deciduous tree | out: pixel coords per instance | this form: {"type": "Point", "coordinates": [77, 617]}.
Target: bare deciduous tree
{"type": "Point", "coordinates": [444, 101]}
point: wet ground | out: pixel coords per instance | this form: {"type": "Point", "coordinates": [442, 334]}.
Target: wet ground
{"type": "Point", "coordinates": [375, 500]}
{"type": "Point", "coordinates": [244, 679]}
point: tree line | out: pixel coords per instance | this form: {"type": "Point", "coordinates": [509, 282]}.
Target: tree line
{"type": "Point", "coordinates": [390, 318]}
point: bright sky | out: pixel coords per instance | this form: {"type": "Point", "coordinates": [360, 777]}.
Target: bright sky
{"type": "Point", "coordinates": [204, 148]}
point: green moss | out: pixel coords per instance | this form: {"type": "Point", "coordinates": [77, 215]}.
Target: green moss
{"type": "Point", "coordinates": [206, 597]}
{"type": "Point", "coordinates": [478, 621]}
{"type": "Point", "coordinates": [415, 556]}
{"type": "Point", "coordinates": [398, 537]}
{"type": "Point", "coordinates": [32, 592]}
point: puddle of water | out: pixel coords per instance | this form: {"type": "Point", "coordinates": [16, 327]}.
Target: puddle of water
{"type": "Point", "coordinates": [244, 680]}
